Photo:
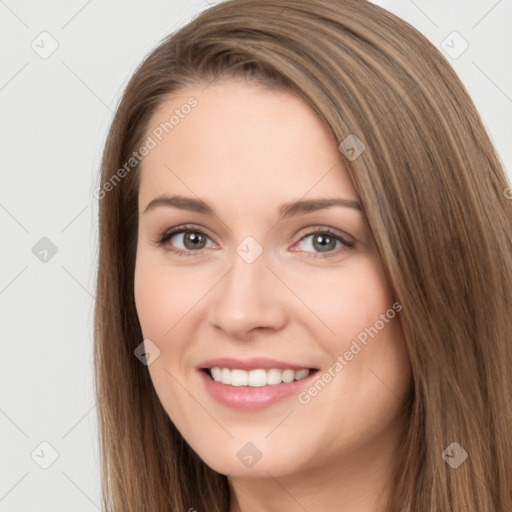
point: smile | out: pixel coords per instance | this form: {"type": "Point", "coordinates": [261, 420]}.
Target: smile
{"type": "Point", "coordinates": [256, 378]}
{"type": "Point", "coordinates": [254, 389]}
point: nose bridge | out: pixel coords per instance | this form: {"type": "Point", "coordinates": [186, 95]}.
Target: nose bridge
{"type": "Point", "coordinates": [247, 282]}
{"type": "Point", "coordinates": [249, 295]}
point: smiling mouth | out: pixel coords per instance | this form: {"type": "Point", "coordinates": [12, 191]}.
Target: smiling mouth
{"type": "Point", "coordinates": [258, 377]}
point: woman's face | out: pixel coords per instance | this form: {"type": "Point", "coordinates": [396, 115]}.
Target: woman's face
{"type": "Point", "coordinates": [263, 289]}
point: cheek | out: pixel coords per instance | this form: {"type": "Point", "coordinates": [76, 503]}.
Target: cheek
{"type": "Point", "coordinates": [362, 326]}
{"type": "Point", "coordinates": [345, 300]}
{"type": "Point", "coordinates": [366, 321]}
{"type": "Point", "coordinates": [162, 297]}
{"type": "Point", "coordinates": [149, 301]}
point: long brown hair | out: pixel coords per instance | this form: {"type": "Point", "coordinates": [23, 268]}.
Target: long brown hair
{"type": "Point", "coordinates": [435, 196]}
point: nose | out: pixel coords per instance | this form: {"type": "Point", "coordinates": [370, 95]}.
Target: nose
{"type": "Point", "coordinates": [248, 298]}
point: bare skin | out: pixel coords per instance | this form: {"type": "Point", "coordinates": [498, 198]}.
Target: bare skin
{"type": "Point", "coordinates": [245, 151]}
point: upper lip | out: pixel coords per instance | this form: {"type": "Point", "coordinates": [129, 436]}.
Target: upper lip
{"type": "Point", "coordinates": [250, 364]}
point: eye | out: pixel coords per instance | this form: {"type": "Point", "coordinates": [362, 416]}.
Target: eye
{"type": "Point", "coordinates": [325, 241]}
{"type": "Point", "coordinates": [193, 240]}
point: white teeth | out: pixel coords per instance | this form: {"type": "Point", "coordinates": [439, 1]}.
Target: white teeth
{"type": "Point", "coordinates": [226, 376]}
{"type": "Point", "coordinates": [288, 376]}
{"type": "Point", "coordinates": [274, 376]}
{"type": "Point", "coordinates": [256, 378]}
{"type": "Point", "coordinates": [300, 374]}
{"type": "Point", "coordinates": [217, 374]}
{"type": "Point", "coordinates": [239, 377]}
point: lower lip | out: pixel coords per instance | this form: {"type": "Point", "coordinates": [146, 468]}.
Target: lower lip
{"type": "Point", "coordinates": [252, 398]}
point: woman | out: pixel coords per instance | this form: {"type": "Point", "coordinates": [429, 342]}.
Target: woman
{"type": "Point", "coordinates": [305, 280]}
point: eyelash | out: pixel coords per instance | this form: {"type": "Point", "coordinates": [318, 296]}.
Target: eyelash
{"type": "Point", "coordinates": [167, 235]}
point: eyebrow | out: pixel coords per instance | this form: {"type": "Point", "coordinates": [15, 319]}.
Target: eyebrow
{"type": "Point", "coordinates": [285, 210]}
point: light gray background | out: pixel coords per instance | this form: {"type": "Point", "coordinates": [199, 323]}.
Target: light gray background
{"type": "Point", "coordinates": [55, 115]}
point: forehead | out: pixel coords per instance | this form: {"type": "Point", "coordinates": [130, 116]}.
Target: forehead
{"type": "Point", "coordinates": [243, 141]}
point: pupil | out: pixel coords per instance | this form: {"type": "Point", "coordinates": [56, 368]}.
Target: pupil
{"type": "Point", "coordinates": [325, 242]}
{"type": "Point", "coordinates": [194, 238]}
{"type": "Point", "coordinates": [323, 246]}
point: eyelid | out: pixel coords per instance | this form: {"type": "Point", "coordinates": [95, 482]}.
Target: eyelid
{"type": "Point", "coordinates": [320, 228]}
{"type": "Point", "coordinates": [167, 234]}
{"type": "Point", "coordinates": [346, 240]}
